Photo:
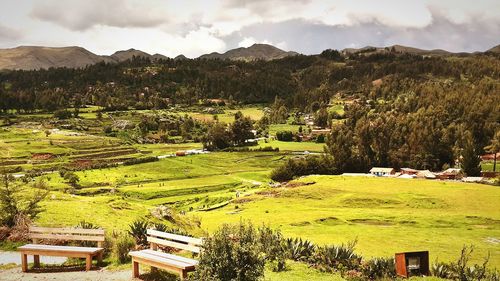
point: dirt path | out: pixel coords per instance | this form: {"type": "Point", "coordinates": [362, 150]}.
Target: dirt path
{"type": "Point", "coordinates": [96, 275]}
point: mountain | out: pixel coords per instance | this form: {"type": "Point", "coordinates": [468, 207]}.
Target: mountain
{"type": "Point", "coordinates": [254, 52]}
{"type": "Point", "coordinates": [495, 49]}
{"type": "Point", "coordinates": [128, 54]}
{"type": "Point", "coordinates": [34, 57]}
{"type": "Point", "coordinates": [181, 57]}
{"type": "Point", "coordinates": [397, 49]}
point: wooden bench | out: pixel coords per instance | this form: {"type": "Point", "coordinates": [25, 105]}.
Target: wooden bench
{"type": "Point", "coordinates": [65, 234]}
{"type": "Point", "coordinates": [170, 262]}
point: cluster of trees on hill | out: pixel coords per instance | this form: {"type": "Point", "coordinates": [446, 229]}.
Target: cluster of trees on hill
{"type": "Point", "coordinates": [404, 110]}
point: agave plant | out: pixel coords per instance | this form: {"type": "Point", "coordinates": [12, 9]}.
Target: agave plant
{"type": "Point", "coordinates": [337, 257]}
{"type": "Point", "coordinates": [298, 249]}
{"type": "Point", "coordinates": [138, 230]}
{"type": "Point", "coordinates": [377, 268]}
{"type": "Point", "coordinates": [441, 270]}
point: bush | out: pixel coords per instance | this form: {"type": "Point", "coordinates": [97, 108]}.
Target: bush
{"type": "Point", "coordinates": [135, 161]}
{"type": "Point", "coordinates": [461, 270]}
{"type": "Point", "coordinates": [337, 257]}
{"type": "Point", "coordinates": [284, 136]}
{"type": "Point", "coordinates": [122, 245]}
{"type": "Point", "coordinates": [138, 230]}
{"type": "Point", "coordinates": [272, 245]}
{"type": "Point", "coordinates": [62, 114]}
{"type": "Point", "coordinates": [231, 254]}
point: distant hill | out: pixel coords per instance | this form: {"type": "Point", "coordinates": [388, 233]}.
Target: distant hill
{"type": "Point", "coordinates": [397, 49]}
{"type": "Point", "coordinates": [495, 49]}
{"type": "Point", "coordinates": [180, 57]}
{"type": "Point", "coordinates": [129, 54]}
{"type": "Point", "coordinates": [254, 52]}
{"type": "Point", "coordinates": [33, 57]}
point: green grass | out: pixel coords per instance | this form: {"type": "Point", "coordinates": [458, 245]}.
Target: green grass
{"type": "Point", "coordinates": [385, 215]}
{"type": "Point", "coordinates": [255, 113]}
{"type": "Point", "coordinates": [294, 146]}
{"type": "Point", "coordinates": [273, 128]}
{"type": "Point", "coordinates": [488, 166]}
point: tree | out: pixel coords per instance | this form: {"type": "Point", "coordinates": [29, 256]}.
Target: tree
{"type": "Point", "coordinates": [241, 129]}
{"type": "Point", "coordinates": [494, 147]}
{"type": "Point", "coordinates": [217, 137]}
{"type": "Point", "coordinates": [471, 162]}
{"type": "Point", "coordinates": [15, 200]}
{"type": "Point", "coordinates": [321, 118]}
{"type": "Point", "coordinates": [72, 179]}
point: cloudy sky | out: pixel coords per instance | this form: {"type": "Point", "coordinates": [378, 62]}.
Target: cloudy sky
{"type": "Point", "coordinates": [196, 27]}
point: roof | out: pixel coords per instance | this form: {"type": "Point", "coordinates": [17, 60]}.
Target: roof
{"type": "Point", "coordinates": [451, 171]}
{"type": "Point", "coordinates": [409, 170]}
{"type": "Point", "coordinates": [381, 170]}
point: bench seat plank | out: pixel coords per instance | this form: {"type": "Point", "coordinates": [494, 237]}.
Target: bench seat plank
{"type": "Point", "coordinates": [61, 249]}
{"type": "Point", "coordinates": [162, 260]}
{"type": "Point", "coordinates": [172, 257]}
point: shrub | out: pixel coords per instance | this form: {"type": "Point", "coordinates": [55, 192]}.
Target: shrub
{"type": "Point", "coordinates": [138, 230]}
{"type": "Point", "coordinates": [122, 244]}
{"type": "Point", "coordinates": [284, 136]}
{"type": "Point", "coordinates": [231, 254]}
{"type": "Point", "coordinates": [272, 245]}
{"type": "Point", "coordinates": [377, 268]}
{"type": "Point", "coordinates": [461, 270]}
{"type": "Point", "coordinates": [298, 249]}
{"type": "Point", "coordinates": [62, 114]}
{"type": "Point", "coordinates": [134, 161]}
{"type": "Point", "coordinates": [337, 257]}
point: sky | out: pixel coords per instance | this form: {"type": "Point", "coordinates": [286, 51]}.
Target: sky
{"type": "Point", "coordinates": [195, 27]}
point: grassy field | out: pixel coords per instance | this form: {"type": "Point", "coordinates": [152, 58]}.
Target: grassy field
{"type": "Point", "coordinates": [385, 215]}
{"type": "Point", "coordinates": [293, 146]}
{"type": "Point", "coordinates": [255, 113]}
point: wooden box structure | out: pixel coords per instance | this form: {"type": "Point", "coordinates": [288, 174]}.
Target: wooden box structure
{"type": "Point", "coordinates": [412, 264]}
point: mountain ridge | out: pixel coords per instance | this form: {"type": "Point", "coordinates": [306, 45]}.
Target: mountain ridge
{"type": "Point", "coordinates": [42, 57]}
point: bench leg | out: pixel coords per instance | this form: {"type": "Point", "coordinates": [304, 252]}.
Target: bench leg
{"type": "Point", "coordinates": [135, 269]}
{"type": "Point", "coordinates": [88, 263]}
{"type": "Point", "coordinates": [24, 262]}
{"type": "Point", "coordinates": [36, 261]}
{"type": "Point", "coordinates": [99, 259]}
{"type": "Point", "coordinates": [183, 274]}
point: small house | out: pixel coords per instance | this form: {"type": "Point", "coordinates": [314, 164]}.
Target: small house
{"type": "Point", "coordinates": [382, 172]}
{"type": "Point", "coordinates": [408, 171]}
{"type": "Point", "coordinates": [318, 132]}
{"type": "Point", "coordinates": [450, 174]}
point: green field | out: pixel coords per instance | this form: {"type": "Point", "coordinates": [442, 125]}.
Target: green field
{"type": "Point", "coordinates": [384, 215]}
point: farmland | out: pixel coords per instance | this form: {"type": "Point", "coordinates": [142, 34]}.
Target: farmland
{"type": "Point", "coordinates": [411, 214]}
{"type": "Point", "coordinates": [203, 191]}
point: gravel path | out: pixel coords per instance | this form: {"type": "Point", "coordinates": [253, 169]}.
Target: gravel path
{"type": "Point", "coordinates": [96, 275]}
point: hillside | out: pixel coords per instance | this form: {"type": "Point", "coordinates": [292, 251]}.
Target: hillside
{"type": "Point", "coordinates": [495, 49]}
{"type": "Point", "coordinates": [34, 57]}
{"type": "Point", "coordinates": [128, 54]}
{"type": "Point", "coordinates": [254, 52]}
{"type": "Point", "coordinates": [396, 49]}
